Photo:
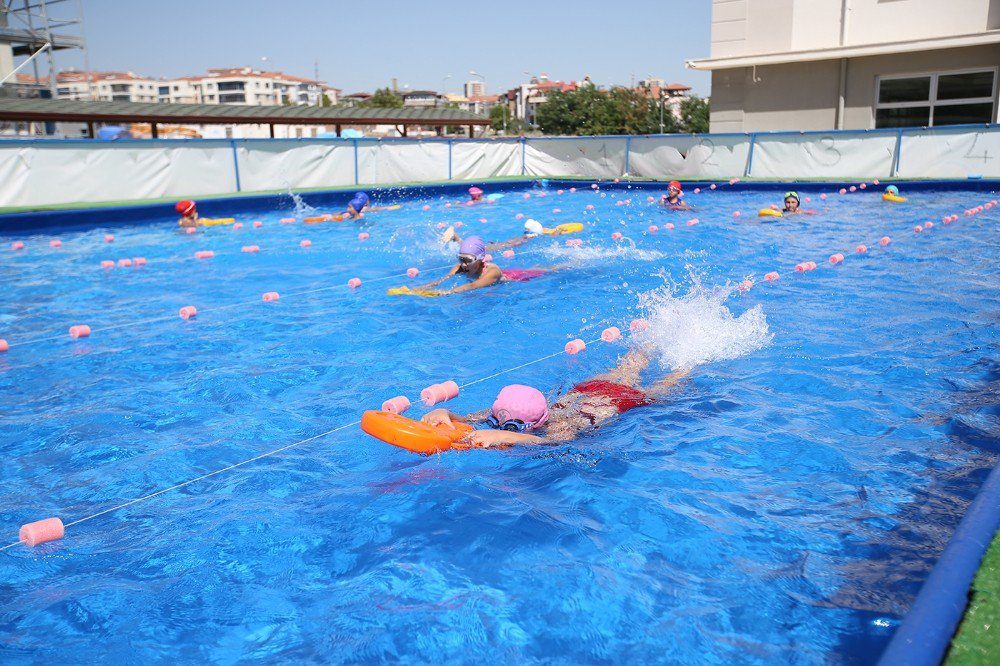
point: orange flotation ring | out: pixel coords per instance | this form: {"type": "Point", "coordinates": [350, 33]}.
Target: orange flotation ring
{"type": "Point", "coordinates": [412, 435]}
{"type": "Point", "coordinates": [328, 217]}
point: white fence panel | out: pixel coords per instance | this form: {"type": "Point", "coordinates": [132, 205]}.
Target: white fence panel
{"type": "Point", "coordinates": [45, 173]}
{"type": "Point", "coordinates": [402, 162]}
{"type": "Point", "coordinates": [688, 156]}
{"type": "Point", "coordinates": [835, 155]}
{"type": "Point", "coordinates": [958, 153]}
{"type": "Point", "coordinates": [279, 164]}
{"type": "Point", "coordinates": [596, 157]}
{"type": "Point", "coordinates": [478, 160]}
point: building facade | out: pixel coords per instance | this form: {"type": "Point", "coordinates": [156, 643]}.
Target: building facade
{"type": "Point", "coordinates": [852, 64]}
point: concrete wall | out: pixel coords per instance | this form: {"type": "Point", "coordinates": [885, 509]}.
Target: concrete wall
{"type": "Point", "coordinates": [804, 96]}
{"type": "Point", "coordinates": [755, 27]}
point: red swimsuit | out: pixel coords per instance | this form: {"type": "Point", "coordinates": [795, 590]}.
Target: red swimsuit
{"type": "Point", "coordinates": [622, 397]}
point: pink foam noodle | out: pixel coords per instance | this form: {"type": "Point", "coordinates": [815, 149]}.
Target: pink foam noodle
{"type": "Point", "coordinates": [575, 346]}
{"type": "Point", "coordinates": [917, 229]}
{"type": "Point", "coordinates": [109, 238]}
{"type": "Point", "coordinates": [436, 393]}
{"type": "Point", "coordinates": [79, 331]}
{"type": "Point", "coordinates": [250, 248]}
{"type": "Point", "coordinates": [237, 225]}
{"type": "Point", "coordinates": [772, 276]}
{"type": "Point", "coordinates": [519, 216]}
{"type": "Point", "coordinates": [17, 245]}
{"type": "Point", "coordinates": [139, 261]}
{"type": "Point", "coordinates": [885, 240]}
{"type": "Point", "coordinates": [125, 263]}
{"type": "Point", "coordinates": [652, 229]}
{"type": "Point", "coordinates": [488, 258]}
{"type": "Point", "coordinates": [190, 230]}
{"type": "Point", "coordinates": [697, 190]}
{"type": "Point", "coordinates": [188, 311]}
{"type": "Point", "coordinates": [693, 222]}
{"type": "Point", "coordinates": [638, 325]}
{"type": "Point", "coordinates": [204, 254]}
{"type": "Point", "coordinates": [843, 191]}
{"type": "Point", "coordinates": [459, 225]}
{"type": "Point", "coordinates": [616, 236]}
{"type": "Point", "coordinates": [287, 220]}
{"type": "Point", "coordinates": [413, 272]}
{"type": "Point", "coordinates": [55, 243]}
{"type": "Point", "coordinates": [508, 254]}
{"type": "Point", "coordinates": [861, 249]}
{"type": "Point", "coordinates": [354, 283]}
{"type": "Point", "coordinates": [107, 263]}
{"type": "Point", "coordinates": [363, 236]}
{"type": "Point", "coordinates": [836, 258]}
{"type": "Point", "coordinates": [928, 225]}
{"type": "Point", "coordinates": [4, 345]}
{"type": "Point", "coordinates": [736, 213]}
{"type": "Point", "coordinates": [271, 296]}
{"type": "Point", "coordinates": [41, 531]}
{"type": "Point", "coordinates": [853, 188]}
{"type": "Point", "coordinates": [305, 243]}
{"type": "Point", "coordinates": [396, 405]}
{"type": "Point", "coordinates": [258, 224]}
{"type": "Point", "coordinates": [668, 226]}
{"type": "Point", "coordinates": [611, 334]}
{"type": "Point", "coordinates": [823, 197]}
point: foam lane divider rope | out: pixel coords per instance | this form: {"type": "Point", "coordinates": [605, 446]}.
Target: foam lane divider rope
{"type": "Point", "coordinates": [50, 529]}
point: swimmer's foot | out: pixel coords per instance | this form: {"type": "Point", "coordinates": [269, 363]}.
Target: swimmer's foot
{"type": "Point", "coordinates": [448, 235]}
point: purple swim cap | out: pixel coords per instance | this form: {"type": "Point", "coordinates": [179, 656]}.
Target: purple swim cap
{"type": "Point", "coordinates": [473, 246]}
{"type": "Point", "coordinates": [521, 402]}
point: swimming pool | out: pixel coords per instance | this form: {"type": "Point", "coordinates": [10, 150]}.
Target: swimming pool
{"type": "Point", "coordinates": [784, 505]}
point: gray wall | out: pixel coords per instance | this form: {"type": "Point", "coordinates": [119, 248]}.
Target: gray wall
{"type": "Point", "coordinates": [803, 96]}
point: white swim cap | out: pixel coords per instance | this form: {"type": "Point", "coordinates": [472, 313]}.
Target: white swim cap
{"type": "Point", "coordinates": [533, 227]}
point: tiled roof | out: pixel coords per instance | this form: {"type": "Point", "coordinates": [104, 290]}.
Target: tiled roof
{"type": "Point", "coordinates": [82, 111]}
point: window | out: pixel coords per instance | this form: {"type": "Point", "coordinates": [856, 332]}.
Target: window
{"type": "Point", "coordinates": [228, 86]}
{"type": "Point", "coordinates": [944, 98]}
{"type": "Point", "coordinates": [120, 87]}
{"type": "Point", "coordinates": [164, 90]}
{"type": "Point", "coordinates": [232, 98]}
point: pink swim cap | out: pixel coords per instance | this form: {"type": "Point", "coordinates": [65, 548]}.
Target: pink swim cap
{"type": "Point", "coordinates": [523, 403]}
{"type": "Point", "coordinates": [475, 190]}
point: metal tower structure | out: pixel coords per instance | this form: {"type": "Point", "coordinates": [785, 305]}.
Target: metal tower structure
{"type": "Point", "coordinates": [29, 27]}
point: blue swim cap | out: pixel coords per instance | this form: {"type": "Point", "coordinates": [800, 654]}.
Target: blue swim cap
{"type": "Point", "coordinates": [892, 189]}
{"type": "Point", "coordinates": [361, 196]}
{"type": "Point", "coordinates": [474, 246]}
{"type": "Point", "coordinates": [358, 203]}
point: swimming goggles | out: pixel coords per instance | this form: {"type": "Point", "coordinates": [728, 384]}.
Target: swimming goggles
{"type": "Point", "coordinates": [466, 259]}
{"type": "Point", "coordinates": [791, 195]}
{"type": "Point", "coordinates": [511, 425]}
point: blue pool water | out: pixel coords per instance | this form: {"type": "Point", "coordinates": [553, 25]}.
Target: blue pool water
{"type": "Point", "coordinates": [783, 506]}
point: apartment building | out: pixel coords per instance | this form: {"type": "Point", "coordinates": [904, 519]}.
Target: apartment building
{"type": "Point", "coordinates": [852, 64]}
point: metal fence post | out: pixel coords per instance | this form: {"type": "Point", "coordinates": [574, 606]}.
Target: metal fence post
{"type": "Point", "coordinates": [524, 142]}
{"type": "Point", "coordinates": [450, 141]}
{"type": "Point", "coordinates": [628, 147]}
{"type": "Point", "coordinates": [753, 142]}
{"type": "Point", "coordinates": [899, 145]}
{"type": "Point", "coordinates": [236, 165]}
{"type": "Point", "coordinates": [356, 180]}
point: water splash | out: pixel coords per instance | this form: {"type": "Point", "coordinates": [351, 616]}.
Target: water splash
{"type": "Point", "coordinates": [697, 327]}
{"type": "Point", "coordinates": [302, 209]}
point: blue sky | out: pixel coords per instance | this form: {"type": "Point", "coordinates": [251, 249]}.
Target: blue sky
{"type": "Point", "coordinates": [363, 45]}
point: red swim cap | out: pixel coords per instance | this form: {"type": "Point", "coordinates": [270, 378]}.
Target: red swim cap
{"type": "Point", "coordinates": [186, 207]}
{"type": "Point", "coordinates": [675, 184]}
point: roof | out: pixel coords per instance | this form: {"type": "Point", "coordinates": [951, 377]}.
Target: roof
{"type": "Point", "coordinates": [677, 86]}
{"type": "Point", "coordinates": [860, 51]}
{"type": "Point", "coordinates": [118, 112]}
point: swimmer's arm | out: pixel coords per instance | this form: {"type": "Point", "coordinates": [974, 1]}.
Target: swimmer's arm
{"type": "Point", "coordinates": [667, 384]}
{"type": "Point", "coordinates": [431, 285]}
{"type": "Point", "coordinates": [485, 280]}
{"type": "Point", "coordinates": [487, 438]}
{"type": "Point", "coordinates": [442, 415]}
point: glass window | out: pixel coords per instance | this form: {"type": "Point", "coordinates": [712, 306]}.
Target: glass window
{"type": "Point", "coordinates": [894, 91]}
{"type": "Point", "coordinates": [914, 116]}
{"type": "Point", "coordinates": [965, 86]}
{"type": "Point", "coordinates": [963, 114]}
{"type": "Point", "coordinates": [164, 90]}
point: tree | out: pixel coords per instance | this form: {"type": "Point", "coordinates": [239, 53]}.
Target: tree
{"type": "Point", "coordinates": [383, 99]}
{"type": "Point", "coordinates": [325, 100]}
{"type": "Point", "coordinates": [502, 119]}
{"type": "Point", "coordinates": [694, 115]}
{"type": "Point", "coordinates": [589, 111]}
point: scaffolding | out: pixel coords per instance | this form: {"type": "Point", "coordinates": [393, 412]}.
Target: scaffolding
{"type": "Point", "coordinates": [30, 27]}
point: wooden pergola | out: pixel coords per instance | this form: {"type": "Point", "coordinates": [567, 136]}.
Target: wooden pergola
{"type": "Point", "coordinates": [90, 113]}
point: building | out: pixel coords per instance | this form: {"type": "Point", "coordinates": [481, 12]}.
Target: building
{"type": "Point", "coordinates": [354, 99]}
{"type": "Point", "coordinates": [671, 95]}
{"type": "Point", "coordinates": [475, 89]}
{"type": "Point", "coordinates": [420, 98]}
{"type": "Point", "coordinates": [523, 101]}
{"type": "Point", "coordinates": [852, 64]}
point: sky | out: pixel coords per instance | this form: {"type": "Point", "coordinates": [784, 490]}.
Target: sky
{"type": "Point", "coordinates": [361, 46]}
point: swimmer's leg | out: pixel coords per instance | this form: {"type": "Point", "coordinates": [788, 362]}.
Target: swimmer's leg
{"type": "Point", "coordinates": [667, 384]}
{"type": "Point", "coordinates": [628, 369]}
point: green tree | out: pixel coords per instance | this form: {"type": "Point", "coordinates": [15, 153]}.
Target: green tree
{"type": "Point", "coordinates": [694, 115]}
{"type": "Point", "coordinates": [383, 99]}
{"type": "Point", "coordinates": [325, 100]}
{"type": "Point", "coordinates": [502, 119]}
{"type": "Point", "coordinates": [589, 111]}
